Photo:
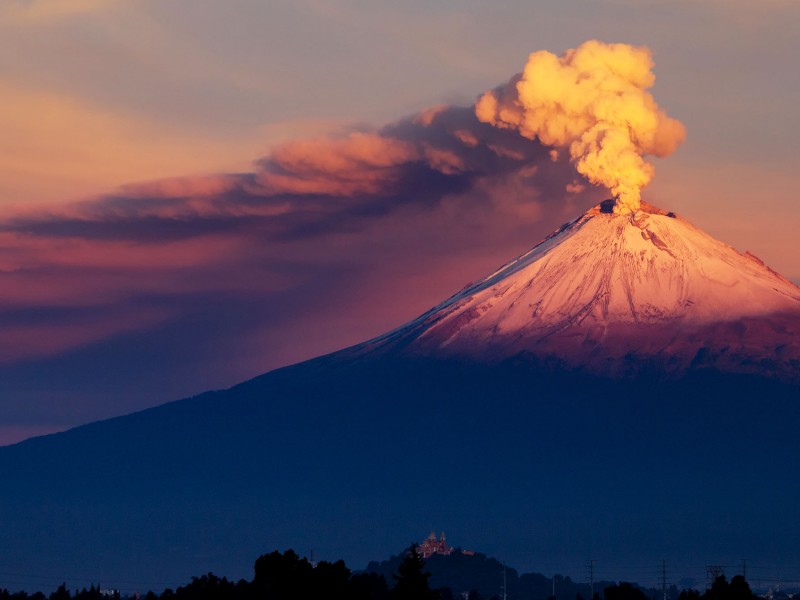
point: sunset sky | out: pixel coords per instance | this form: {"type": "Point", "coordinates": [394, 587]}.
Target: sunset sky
{"type": "Point", "coordinates": [194, 192]}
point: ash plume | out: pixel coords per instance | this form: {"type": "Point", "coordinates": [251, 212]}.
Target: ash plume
{"type": "Point", "coordinates": [594, 101]}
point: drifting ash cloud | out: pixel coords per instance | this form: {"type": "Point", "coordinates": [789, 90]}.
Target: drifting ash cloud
{"type": "Point", "coordinates": [326, 242]}
{"type": "Point", "coordinates": [181, 237]}
{"type": "Point", "coordinates": [440, 155]}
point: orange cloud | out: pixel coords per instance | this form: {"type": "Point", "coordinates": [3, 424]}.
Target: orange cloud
{"type": "Point", "coordinates": [427, 116]}
{"type": "Point", "coordinates": [466, 137]}
{"type": "Point", "coordinates": [360, 163]}
{"type": "Point", "coordinates": [575, 187]}
{"type": "Point", "coordinates": [442, 160]}
{"type": "Point", "coordinates": [182, 187]}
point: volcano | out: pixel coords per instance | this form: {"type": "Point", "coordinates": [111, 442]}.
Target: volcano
{"type": "Point", "coordinates": [609, 293]}
{"type": "Point", "coordinates": [627, 391]}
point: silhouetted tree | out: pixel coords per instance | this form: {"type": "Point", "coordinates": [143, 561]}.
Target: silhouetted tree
{"type": "Point", "coordinates": [718, 589]}
{"type": "Point", "coordinates": [62, 593]}
{"type": "Point", "coordinates": [369, 586]}
{"type": "Point", "coordinates": [282, 576]}
{"type": "Point", "coordinates": [207, 587]}
{"type": "Point", "coordinates": [330, 580]}
{"type": "Point", "coordinates": [737, 589]}
{"type": "Point", "coordinates": [411, 579]}
{"type": "Point", "coordinates": [93, 593]}
{"type": "Point", "coordinates": [446, 593]}
{"type": "Point", "coordinates": [740, 589]}
{"type": "Point", "coordinates": [286, 576]}
{"type": "Point", "coordinates": [623, 591]}
{"type": "Point", "coordinates": [689, 595]}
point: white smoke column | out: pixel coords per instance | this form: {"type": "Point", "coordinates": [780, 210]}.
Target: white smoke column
{"type": "Point", "coordinates": [593, 100]}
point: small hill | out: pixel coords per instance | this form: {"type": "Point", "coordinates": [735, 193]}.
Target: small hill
{"type": "Point", "coordinates": [465, 572]}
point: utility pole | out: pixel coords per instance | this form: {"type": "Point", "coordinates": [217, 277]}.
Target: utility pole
{"type": "Point", "coordinates": [591, 579]}
{"type": "Point", "coordinates": [505, 590]}
{"type": "Point", "coordinates": [744, 568]}
{"type": "Point", "coordinates": [664, 579]}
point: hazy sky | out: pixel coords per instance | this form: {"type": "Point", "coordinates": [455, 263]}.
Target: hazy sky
{"type": "Point", "coordinates": [149, 290]}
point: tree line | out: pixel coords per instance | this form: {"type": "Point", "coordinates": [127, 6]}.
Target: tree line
{"type": "Point", "coordinates": [287, 576]}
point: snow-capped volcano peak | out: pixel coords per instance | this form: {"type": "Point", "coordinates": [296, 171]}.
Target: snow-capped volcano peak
{"type": "Point", "coordinates": [607, 285]}
{"type": "Point", "coordinates": [641, 267]}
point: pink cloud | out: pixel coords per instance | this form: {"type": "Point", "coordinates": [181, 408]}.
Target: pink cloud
{"type": "Point", "coordinates": [428, 116]}
{"type": "Point", "coordinates": [182, 187]}
{"type": "Point", "coordinates": [444, 161]}
{"type": "Point", "coordinates": [466, 137]}
{"type": "Point", "coordinates": [361, 163]}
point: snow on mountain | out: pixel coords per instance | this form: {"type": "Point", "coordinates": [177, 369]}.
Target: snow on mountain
{"type": "Point", "coordinates": [607, 288]}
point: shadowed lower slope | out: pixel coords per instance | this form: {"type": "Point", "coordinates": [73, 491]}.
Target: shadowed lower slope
{"type": "Point", "coordinates": [351, 457]}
